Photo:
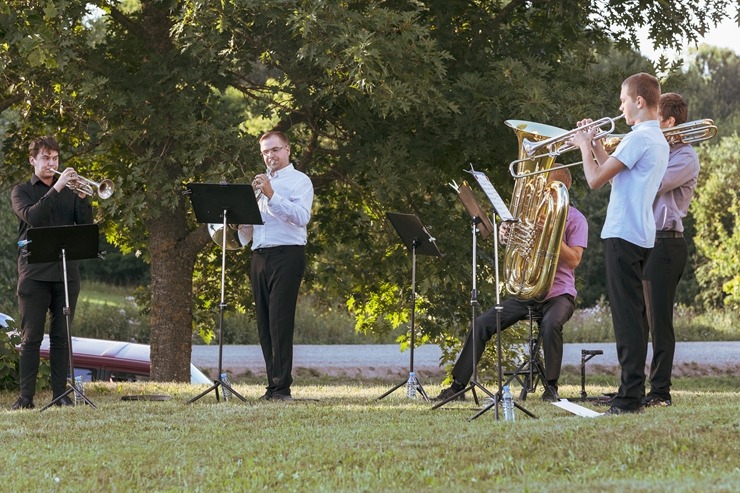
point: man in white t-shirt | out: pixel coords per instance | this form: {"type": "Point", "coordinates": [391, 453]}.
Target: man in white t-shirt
{"type": "Point", "coordinates": [635, 170]}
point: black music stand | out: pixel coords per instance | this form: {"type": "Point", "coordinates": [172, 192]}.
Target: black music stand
{"type": "Point", "coordinates": [500, 209]}
{"type": "Point", "coordinates": [62, 243]}
{"type": "Point", "coordinates": [417, 239]}
{"type": "Point", "coordinates": [483, 226]}
{"type": "Point", "coordinates": [227, 204]}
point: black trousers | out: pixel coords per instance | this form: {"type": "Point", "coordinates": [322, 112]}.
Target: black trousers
{"type": "Point", "coordinates": [625, 262]}
{"type": "Point", "coordinates": [663, 270]}
{"type": "Point", "coordinates": [35, 299]}
{"type": "Point", "coordinates": [554, 312]}
{"type": "Point", "coordinates": [276, 275]}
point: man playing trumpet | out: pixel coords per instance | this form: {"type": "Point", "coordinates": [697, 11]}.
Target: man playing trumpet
{"type": "Point", "coordinates": [46, 200]}
{"type": "Point", "coordinates": [285, 198]}
{"type": "Point", "coordinates": [635, 170]}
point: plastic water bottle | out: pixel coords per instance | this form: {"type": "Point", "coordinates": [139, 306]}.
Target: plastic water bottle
{"type": "Point", "coordinates": [508, 404]}
{"type": "Point", "coordinates": [80, 390]}
{"type": "Point", "coordinates": [225, 393]}
{"type": "Point", "coordinates": [411, 386]}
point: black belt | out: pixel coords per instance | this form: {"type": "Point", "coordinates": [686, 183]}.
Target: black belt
{"type": "Point", "coordinates": [277, 249]}
{"type": "Point", "coordinates": [668, 234]}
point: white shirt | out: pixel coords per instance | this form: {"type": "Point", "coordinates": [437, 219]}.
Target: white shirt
{"type": "Point", "coordinates": [287, 212]}
{"type": "Point", "coordinates": [629, 216]}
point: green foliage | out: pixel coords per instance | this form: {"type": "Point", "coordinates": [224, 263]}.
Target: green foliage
{"type": "Point", "coordinates": [385, 104]}
{"type": "Point", "coordinates": [716, 207]}
{"type": "Point", "coordinates": [111, 322]}
{"type": "Point", "coordinates": [8, 253]}
{"type": "Point", "coordinates": [10, 340]}
{"type": "Point", "coordinates": [9, 359]}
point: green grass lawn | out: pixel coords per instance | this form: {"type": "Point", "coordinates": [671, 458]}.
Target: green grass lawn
{"type": "Point", "coordinates": [341, 438]}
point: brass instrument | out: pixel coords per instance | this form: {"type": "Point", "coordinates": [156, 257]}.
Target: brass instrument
{"type": "Point", "coordinates": [691, 132]}
{"type": "Point", "coordinates": [105, 188]}
{"type": "Point", "coordinates": [559, 144]}
{"type": "Point", "coordinates": [686, 133]}
{"type": "Point", "coordinates": [533, 242]}
{"type": "Point", "coordinates": [235, 241]}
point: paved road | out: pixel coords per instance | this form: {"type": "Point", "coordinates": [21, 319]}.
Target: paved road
{"type": "Point", "coordinates": [387, 359]}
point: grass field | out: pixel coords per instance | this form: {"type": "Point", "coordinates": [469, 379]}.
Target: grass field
{"type": "Point", "coordinates": [341, 438]}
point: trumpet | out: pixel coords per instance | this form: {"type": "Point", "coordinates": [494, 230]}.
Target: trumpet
{"type": "Point", "coordinates": [559, 144]}
{"type": "Point", "coordinates": [257, 184]}
{"type": "Point", "coordinates": [105, 188]}
{"type": "Point", "coordinates": [235, 240]}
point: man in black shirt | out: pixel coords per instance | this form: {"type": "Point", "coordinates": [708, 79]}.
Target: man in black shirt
{"type": "Point", "coordinates": [45, 200]}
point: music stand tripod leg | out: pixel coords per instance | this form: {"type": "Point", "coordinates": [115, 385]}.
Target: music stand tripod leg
{"type": "Point", "coordinates": [218, 382]}
{"type": "Point", "coordinates": [476, 220]}
{"type": "Point", "coordinates": [498, 398]}
{"type": "Point", "coordinates": [68, 319]}
{"type": "Point", "coordinates": [408, 382]}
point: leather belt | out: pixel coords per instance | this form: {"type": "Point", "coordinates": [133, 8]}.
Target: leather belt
{"type": "Point", "coordinates": [669, 234]}
{"type": "Point", "coordinates": [277, 249]}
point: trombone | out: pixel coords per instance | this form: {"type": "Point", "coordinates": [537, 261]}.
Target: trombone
{"type": "Point", "coordinates": [105, 188]}
{"type": "Point", "coordinates": [686, 133]}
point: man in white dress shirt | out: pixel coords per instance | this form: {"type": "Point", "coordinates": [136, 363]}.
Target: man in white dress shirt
{"type": "Point", "coordinates": [278, 258]}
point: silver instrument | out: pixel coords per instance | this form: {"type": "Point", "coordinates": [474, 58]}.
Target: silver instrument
{"type": "Point", "coordinates": [238, 235]}
{"type": "Point", "coordinates": [105, 188]}
{"type": "Point", "coordinates": [556, 145]}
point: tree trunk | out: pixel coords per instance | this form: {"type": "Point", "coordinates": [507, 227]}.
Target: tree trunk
{"type": "Point", "coordinates": [173, 251]}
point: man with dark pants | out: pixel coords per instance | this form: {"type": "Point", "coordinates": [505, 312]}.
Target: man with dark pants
{"type": "Point", "coordinates": [278, 258]}
{"type": "Point", "coordinates": [634, 170]}
{"type": "Point", "coordinates": [668, 258]}
{"type": "Point", "coordinates": [555, 310]}
{"type": "Point", "coordinates": [45, 200]}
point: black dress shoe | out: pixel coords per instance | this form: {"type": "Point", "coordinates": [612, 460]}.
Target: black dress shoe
{"type": "Point", "coordinates": [550, 395]}
{"type": "Point", "coordinates": [449, 392]}
{"type": "Point", "coordinates": [653, 400]}
{"type": "Point", "coordinates": [279, 397]}
{"type": "Point", "coordinates": [619, 410]}
{"type": "Point", "coordinates": [23, 403]}
{"type": "Point", "coordinates": [64, 401]}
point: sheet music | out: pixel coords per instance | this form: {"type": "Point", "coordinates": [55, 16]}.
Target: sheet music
{"type": "Point", "coordinates": [576, 409]}
{"type": "Point", "coordinates": [498, 204]}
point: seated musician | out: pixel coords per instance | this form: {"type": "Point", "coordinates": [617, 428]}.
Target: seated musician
{"type": "Point", "coordinates": [554, 311]}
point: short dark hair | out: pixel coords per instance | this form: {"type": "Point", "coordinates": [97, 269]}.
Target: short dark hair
{"type": "Point", "coordinates": [644, 85]}
{"type": "Point", "coordinates": [560, 174]}
{"type": "Point", "coordinates": [47, 142]}
{"type": "Point", "coordinates": [275, 133]}
{"type": "Point", "coordinates": [673, 105]}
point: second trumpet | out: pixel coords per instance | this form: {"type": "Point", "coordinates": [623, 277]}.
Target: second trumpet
{"type": "Point", "coordinates": [105, 188]}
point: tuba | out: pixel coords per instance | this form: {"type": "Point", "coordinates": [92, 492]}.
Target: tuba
{"type": "Point", "coordinates": [533, 242]}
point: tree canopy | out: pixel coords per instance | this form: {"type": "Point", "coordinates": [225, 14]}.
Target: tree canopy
{"type": "Point", "coordinates": [385, 102]}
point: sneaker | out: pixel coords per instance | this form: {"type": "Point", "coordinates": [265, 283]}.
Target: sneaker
{"type": "Point", "coordinates": [653, 400]}
{"type": "Point", "coordinates": [618, 410]}
{"type": "Point", "coordinates": [449, 392]}
{"type": "Point", "coordinates": [23, 403]}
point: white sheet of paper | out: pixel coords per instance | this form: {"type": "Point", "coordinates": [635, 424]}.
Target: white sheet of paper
{"type": "Point", "coordinates": [576, 409]}
{"type": "Point", "coordinates": [493, 196]}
